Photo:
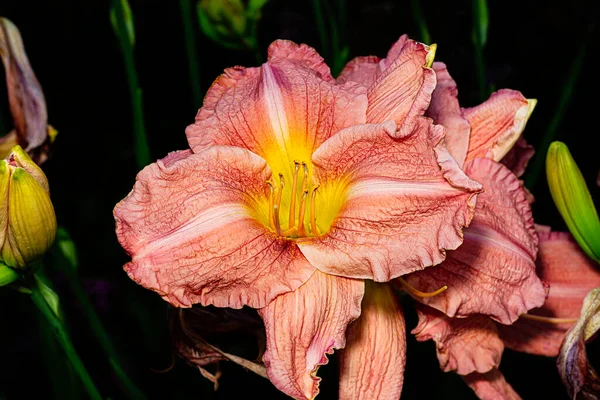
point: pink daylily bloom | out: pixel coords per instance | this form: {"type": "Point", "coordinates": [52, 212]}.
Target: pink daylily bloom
{"type": "Point", "coordinates": [493, 273]}
{"type": "Point", "coordinates": [296, 188]}
{"type": "Point", "coordinates": [571, 274]}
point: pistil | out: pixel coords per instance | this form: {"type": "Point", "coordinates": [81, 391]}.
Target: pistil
{"type": "Point", "coordinates": [415, 292]}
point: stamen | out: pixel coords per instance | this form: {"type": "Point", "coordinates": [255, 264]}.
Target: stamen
{"type": "Point", "coordinates": [305, 179]}
{"type": "Point", "coordinates": [549, 320]}
{"type": "Point", "coordinates": [301, 230]}
{"type": "Point", "coordinates": [277, 205]}
{"type": "Point", "coordinates": [271, 205]}
{"type": "Point", "coordinates": [313, 217]}
{"type": "Point", "coordinates": [415, 292]}
{"type": "Point", "coordinates": [292, 220]}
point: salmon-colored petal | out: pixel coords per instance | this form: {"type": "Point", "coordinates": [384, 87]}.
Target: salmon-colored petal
{"type": "Point", "coordinates": [372, 364]}
{"type": "Point", "coordinates": [445, 110]}
{"type": "Point", "coordinates": [491, 386]}
{"type": "Point", "coordinates": [301, 54]}
{"type": "Point", "coordinates": [187, 226]}
{"type": "Point", "coordinates": [399, 213]}
{"type": "Point", "coordinates": [497, 123]}
{"type": "Point", "coordinates": [281, 111]}
{"type": "Point", "coordinates": [571, 274]}
{"type": "Point", "coordinates": [493, 272]}
{"type": "Point", "coordinates": [403, 90]}
{"type": "Point", "coordinates": [363, 70]}
{"type": "Point", "coordinates": [518, 157]}
{"type": "Point", "coordinates": [306, 325]}
{"type": "Point", "coordinates": [464, 345]}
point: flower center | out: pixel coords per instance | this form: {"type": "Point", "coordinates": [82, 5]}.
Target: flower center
{"type": "Point", "coordinates": [298, 225]}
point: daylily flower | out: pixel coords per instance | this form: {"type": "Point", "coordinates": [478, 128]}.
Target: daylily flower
{"type": "Point", "coordinates": [26, 99]}
{"type": "Point", "coordinates": [492, 275]}
{"type": "Point", "coordinates": [295, 190]}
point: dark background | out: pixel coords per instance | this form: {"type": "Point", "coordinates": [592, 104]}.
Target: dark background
{"type": "Point", "coordinates": [75, 55]}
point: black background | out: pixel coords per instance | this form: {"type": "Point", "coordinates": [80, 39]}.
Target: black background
{"type": "Point", "coordinates": [71, 46]}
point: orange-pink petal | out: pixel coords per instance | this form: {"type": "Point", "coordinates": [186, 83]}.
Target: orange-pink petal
{"type": "Point", "coordinates": [464, 345]}
{"type": "Point", "coordinates": [445, 110]}
{"type": "Point", "coordinates": [290, 101]}
{"type": "Point", "coordinates": [491, 386]}
{"type": "Point", "coordinates": [306, 325]}
{"type": "Point", "coordinates": [571, 275]}
{"type": "Point", "coordinates": [363, 70]}
{"type": "Point", "coordinates": [372, 364]}
{"type": "Point", "coordinates": [187, 226]}
{"type": "Point", "coordinates": [497, 123]}
{"type": "Point", "coordinates": [493, 272]}
{"type": "Point", "coordinates": [403, 90]}
{"type": "Point", "coordinates": [400, 214]}
{"type": "Point", "coordinates": [518, 157]}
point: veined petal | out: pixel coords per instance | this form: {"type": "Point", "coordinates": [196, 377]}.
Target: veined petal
{"type": "Point", "coordinates": [445, 110]}
{"type": "Point", "coordinates": [571, 275]}
{"type": "Point", "coordinates": [491, 386]}
{"type": "Point", "coordinates": [497, 123]}
{"type": "Point", "coordinates": [304, 326]}
{"type": "Point", "coordinates": [518, 157]}
{"type": "Point", "coordinates": [403, 90]}
{"type": "Point", "coordinates": [372, 364]}
{"type": "Point", "coordinates": [281, 111]}
{"type": "Point", "coordinates": [188, 228]}
{"type": "Point", "coordinates": [363, 70]}
{"type": "Point", "coordinates": [464, 345]}
{"type": "Point", "coordinates": [493, 272]}
{"type": "Point", "coordinates": [400, 214]}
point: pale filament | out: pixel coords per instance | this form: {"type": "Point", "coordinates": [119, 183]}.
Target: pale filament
{"type": "Point", "coordinates": [295, 229]}
{"type": "Point", "coordinates": [549, 320]}
{"type": "Point", "coordinates": [415, 292]}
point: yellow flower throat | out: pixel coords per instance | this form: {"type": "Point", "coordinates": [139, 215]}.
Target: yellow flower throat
{"type": "Point", "coordinates": [296, 226]}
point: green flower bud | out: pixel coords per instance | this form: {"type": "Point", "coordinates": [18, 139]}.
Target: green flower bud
{"type": "Point", "coordinates": [27, 220]}
{"type": "Point", "coordinates": [573, 199]}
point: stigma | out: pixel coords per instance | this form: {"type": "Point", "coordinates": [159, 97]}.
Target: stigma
{"type": "Point", "coordinates": [297, 224]}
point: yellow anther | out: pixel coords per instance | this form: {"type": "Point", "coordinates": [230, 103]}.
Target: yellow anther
{"type": "Point", "coordinates": [415, 292]}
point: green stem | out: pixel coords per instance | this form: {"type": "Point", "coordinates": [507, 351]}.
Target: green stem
{"type": "Point", "coordinates": [101, 335]}
{"type": "Point", "coordinates": [480, 31]}
{"type": "Point", "coordinates": [322, 29]}
{"type": "Point", "coordinates": [190, 46]}
{"type": "Point", "coordinates": [338, 62]}
{"type": "Point", "coordinates": [418, 15]}
{"type": "Point", "coordinates": [63, 339]}
{"type": "Point", "coordinates": [142, 150]}
{"type": "Point", "coordinates": [549, 137]}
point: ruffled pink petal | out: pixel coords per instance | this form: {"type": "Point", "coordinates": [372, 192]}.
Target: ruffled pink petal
{"type": "Point", "coordinates": [445, 110]}
{"type": "Point", "coordinates": [290, 103]}
{"type": "Point", "coordinates": [491, 386]}
{"type": "Point", "coordinates": [493, 272]}
{"type": "Point", "coordinates": [372, 364]}
{"type": "Point", "coordinates": [187, 226]}
{"type": "Point", "coordinates": [464, 345]}
{"type": "Point", "coordinates": [400, 214]}
{"type": "Point", "coordinates": [571, 275]}
{"type": "Point", "coordinates": [403, 90]}
{"type": "Point", "coordinates": [497, 123]}
{"type": "Point", "coordinates": [363, 70]}
{"type": "Point", "coordinates": [394, 52]}
{"type": "Point", "coordinates": [518, 157]}
{"type": "Point", "coordinates": [304, 326]}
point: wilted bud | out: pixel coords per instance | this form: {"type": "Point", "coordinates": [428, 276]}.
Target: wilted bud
{"type": "Point", "coordinates": [231, 23]}
{"type": "Point", "coordinates": [27, 220]}
{"type": "Point", "coordinates": [573, 199]}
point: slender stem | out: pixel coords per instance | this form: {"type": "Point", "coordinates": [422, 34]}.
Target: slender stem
{"type": "Point", "coordinates": [322, 29]}
{"type": "Point", "coordinates": [190, 46]}
{"type": "Point", "coordinates": [63, 339]}
{"type": "Point", "coordinates": [479, 35]}
{"type": "Point", "coordinates": [142, 150]}
{"type": "Point", "coordinates": [549, 137]}
{"type": "Point", "coordinates": [338, 61]}
{"type": "Point", "coordinates": [418, 15]}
